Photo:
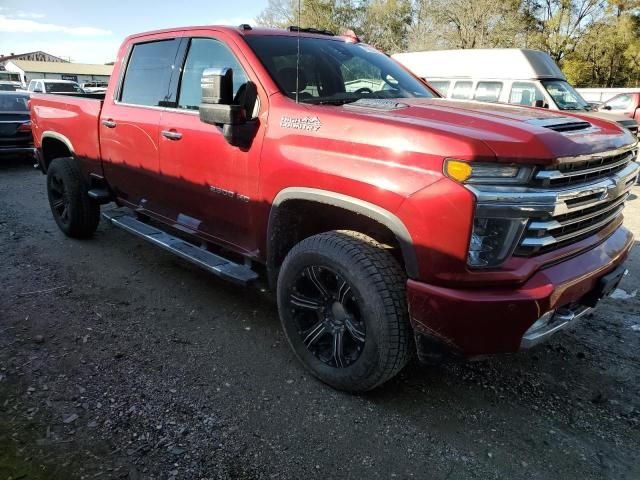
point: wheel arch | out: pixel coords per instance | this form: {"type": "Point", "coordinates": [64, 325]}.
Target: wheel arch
{"type": "Point", "coordinates": [278, 244]}
{"type": "Point", "coordinates": [54, 145]}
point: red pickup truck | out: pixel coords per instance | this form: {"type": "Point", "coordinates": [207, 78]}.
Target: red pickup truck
{"type": "Point", "coordinates": [387, 220]}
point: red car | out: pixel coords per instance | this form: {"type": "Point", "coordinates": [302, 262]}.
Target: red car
{"type": "Point", "coordinates": [625, 104]}
{"type": "Point", "coordinates": [386, 219]}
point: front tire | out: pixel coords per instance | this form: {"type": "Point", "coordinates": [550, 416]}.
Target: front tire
{"type": "Point", "coordinates": [342, 303]}
{"type": "Point", "coordinates": [74, 212]}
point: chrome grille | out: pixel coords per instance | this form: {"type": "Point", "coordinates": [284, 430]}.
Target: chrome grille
{"type": "Point", "coordinates": [584, 169]}
{"type": "Point", "coordinates": [585, 209]}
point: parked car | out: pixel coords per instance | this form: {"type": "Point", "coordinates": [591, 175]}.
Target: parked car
{"type": "Point", "coordinates": [9, 86]}
{"type": "Point", "coordinates": [601, 95]}
{"type": "Point", "coordinates": [510, 75]}
{"type": "Point", "coordinates": [627, 104]}
{"type": "Point", "coordinates": [47, 85]}
{"type": "Point", "coordinates": [16, 138]}
{"type": "Point", "coordinates": [385, 218]}
{"type": "Point", "coordinates": [95, 87]}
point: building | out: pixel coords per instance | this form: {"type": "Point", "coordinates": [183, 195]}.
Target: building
{"type": "Point", "coordinates": [37, 56]}
{"type": "Point", "coordinates": [78, 72]}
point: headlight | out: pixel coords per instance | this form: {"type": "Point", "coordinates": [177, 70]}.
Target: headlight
{"type": "Point", "coordinates": [493, 240]}
{"type": "Point", "coordinates": [488, 173]}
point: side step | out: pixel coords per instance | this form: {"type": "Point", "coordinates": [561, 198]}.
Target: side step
{"type": "Point", "coordinates": [99, 195]}
{"type": "Point", "coordinates": [215, 264]}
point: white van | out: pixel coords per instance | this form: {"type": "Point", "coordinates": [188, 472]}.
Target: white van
{"type": "Point", "coordinates": [506, 75]}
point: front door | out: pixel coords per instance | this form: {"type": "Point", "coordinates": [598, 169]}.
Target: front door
{"type": "Point", "coordinates": [129, 125]}
{"type": "Point", "coordinates": [214, 183]}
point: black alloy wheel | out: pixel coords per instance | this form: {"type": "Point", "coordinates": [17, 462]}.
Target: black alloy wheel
{"type": "Point", "coordinates": [326, 311]}
{"type": "Point", "coordinates": [342, 304]}
{"type": "Point", "coordinates": [59, 199]}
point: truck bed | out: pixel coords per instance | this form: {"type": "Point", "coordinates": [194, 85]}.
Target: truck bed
{"type": "Point", "coordinates": [70, 118]}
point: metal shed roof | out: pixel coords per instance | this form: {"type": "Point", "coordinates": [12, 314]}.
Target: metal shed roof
{"type": "Point", "coordinates": [62, 67]}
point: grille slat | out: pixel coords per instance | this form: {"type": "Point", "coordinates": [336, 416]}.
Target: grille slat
{"type": "Point", "coordinates": [567, 173]}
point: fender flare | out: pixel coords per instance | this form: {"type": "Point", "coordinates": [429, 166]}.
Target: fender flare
{"type": "Point", "coordinates": [55, 136]}
{"type": "Point", "coordinates": [59, 137]}
{"type": "Point", "coordinates": [355, 205]}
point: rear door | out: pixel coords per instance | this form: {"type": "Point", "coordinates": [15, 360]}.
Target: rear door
{"type": "Point", "coordinates": [129, 123]}
{"type": "Point", "coordinates": [212, 182]}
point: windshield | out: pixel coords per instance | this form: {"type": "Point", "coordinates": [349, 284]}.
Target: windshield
{"type": "Point", "coordinates": [565, 96]}
{"type": "Point", "coordinates": [333, 71]}
{"type": "Point", "coordinates": [62, 87]}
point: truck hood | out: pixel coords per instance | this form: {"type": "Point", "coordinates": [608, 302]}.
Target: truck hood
{"type": "Point", "coordinates": [513, 133]}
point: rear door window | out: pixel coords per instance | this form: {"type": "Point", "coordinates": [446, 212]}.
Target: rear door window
{"type": "Point", "coordinates": [462, 90]}
{"type": "Point", "coordinates": [488, 91]}
{"type": "Point", "coordinates": [525, 93]}
{"type": "Point", "coordinates": [147, 80]}
{"type": "Point", "coordinates": [441, 85]}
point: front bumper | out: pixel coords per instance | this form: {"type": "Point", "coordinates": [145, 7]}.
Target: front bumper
{"type": "Point", "coordinates": [495, 320]}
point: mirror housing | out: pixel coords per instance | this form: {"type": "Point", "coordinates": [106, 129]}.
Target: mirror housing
{"type": "Point", "coordinates": [607, 107]}
{"type": "Point", "coordinates": [540, 104]}
{"type": "Point", "coordinates": [217, 107]}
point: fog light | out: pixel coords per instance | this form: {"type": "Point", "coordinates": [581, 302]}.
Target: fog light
{"type": "Point", "coordinates": [493, 240]}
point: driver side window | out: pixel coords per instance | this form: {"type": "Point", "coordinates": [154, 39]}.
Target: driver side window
{"type": "Point", "coordinates": [206, 53]}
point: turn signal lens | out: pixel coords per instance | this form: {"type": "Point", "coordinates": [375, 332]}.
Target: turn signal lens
{"type": "Point", "coordinates": [458, 170]}
{"type": "Point", "coordinates": [487, 173]}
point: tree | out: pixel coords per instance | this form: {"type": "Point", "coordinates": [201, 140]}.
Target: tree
{"type": "Point", "coordinates": [386, 24]}
{"type": "Point", "coordinates": [278, 14]}
{"type": "Point", "coordinates": [465, 24]}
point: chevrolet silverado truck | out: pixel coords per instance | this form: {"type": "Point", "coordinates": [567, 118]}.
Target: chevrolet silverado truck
{"type": "Point", "coordinates": [387, 220]}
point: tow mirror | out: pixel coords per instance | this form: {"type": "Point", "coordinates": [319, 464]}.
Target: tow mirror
{"type": "Point", "coordinates": [217, 107]}
{"type": "Point", "coordinates": [607, 107]}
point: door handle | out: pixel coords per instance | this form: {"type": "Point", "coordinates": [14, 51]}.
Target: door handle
{"type": "Point", "coordinates": [171, 134]}
{"type": "Point", "coordinates": [109, 123]}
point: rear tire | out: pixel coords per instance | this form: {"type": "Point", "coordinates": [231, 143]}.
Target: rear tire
{"type": "Point", "coordinates": [342, 303]}
{"type": "Point", "coordinates": [74, 212]}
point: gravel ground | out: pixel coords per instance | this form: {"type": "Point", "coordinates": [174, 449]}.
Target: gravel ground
{"type": "Point", "coordinates": [118, 360]}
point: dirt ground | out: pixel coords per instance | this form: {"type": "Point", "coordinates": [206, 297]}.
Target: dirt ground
{"type": "Point", "coordinates": [118, 360]}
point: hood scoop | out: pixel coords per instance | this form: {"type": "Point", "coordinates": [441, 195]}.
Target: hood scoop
{"type": "Point", "coordinates": [378, 103]}
{"type": "Point", "coordinates": [561, 124]}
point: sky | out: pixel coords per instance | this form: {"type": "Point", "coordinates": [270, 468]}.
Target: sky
{"type": "Point", "coordinates": [91, 31]}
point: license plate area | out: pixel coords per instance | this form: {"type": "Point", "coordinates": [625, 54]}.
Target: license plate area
{"type": "Point", "coordinates": [605, 286]}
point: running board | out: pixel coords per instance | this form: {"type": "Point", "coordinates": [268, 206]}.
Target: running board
{"type": "Point", "coordinates": [215, 264]}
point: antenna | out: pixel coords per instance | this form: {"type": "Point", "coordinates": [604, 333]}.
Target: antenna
{"type": "Point", "coordinates": [298, 56]}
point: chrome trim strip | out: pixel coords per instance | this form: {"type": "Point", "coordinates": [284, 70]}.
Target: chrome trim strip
{"type": "Point", "coordinates": [554, 224]}
{"type": "Point", "coordinates": [557, 174]}
{"type": "Point", "coordinates": [550, 239]}
{"type": "Point", "coordinates": [591, 156]}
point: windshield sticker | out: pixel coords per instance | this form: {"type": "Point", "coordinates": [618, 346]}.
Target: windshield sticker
{"type": "Point", "coordinates": [311, 124]}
